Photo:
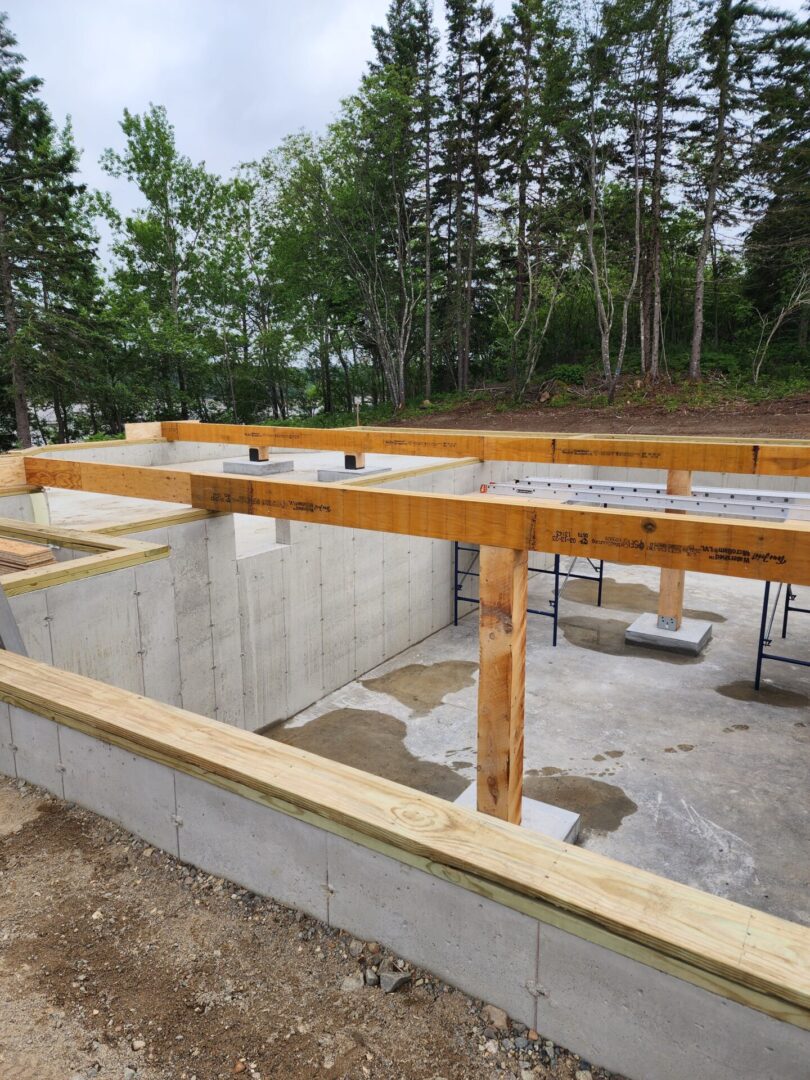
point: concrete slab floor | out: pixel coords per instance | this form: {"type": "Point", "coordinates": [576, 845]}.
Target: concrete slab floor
{"type": "Point", "coordinates": [676, 764]}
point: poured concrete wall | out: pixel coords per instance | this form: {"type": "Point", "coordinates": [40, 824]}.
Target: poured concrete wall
{"type": "Point", "coordinates": [610, 1008]}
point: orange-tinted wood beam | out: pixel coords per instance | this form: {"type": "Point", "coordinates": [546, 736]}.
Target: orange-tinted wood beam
{"type": "Point", "coordinates": [502, 681]}
{"type": "Point", "coordinates": [670, 592]}
{"type": "Point", "coordinates": [774, 457]}
{"type": "Point", "coordinates": [759, 550]}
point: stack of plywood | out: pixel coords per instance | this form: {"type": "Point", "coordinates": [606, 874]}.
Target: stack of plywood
{"type": "Point", "coordinates": [22, 555]}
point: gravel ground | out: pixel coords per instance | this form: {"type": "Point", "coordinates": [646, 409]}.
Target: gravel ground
{"type": "Point", "coordinates": [121, 962]}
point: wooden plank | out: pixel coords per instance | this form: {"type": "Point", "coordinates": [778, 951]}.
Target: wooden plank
{"type": "Point", "coordinates": [773, 457]}
{"type": "Point", "coordinates": [670, 591]}
{"type": "Point", "coordinates": [502, 681]}
{"type": "Point", "coordinates": [749, 549]}
{"type": "Point", "coordinates": [750, 956]}
{"type": "Point", "coordinates": [12, 473]}
{"type": "Point", "coordinates": [148, 431]}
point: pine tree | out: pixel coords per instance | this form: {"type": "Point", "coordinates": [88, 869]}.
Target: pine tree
{"type": "Point", "coordinates": [778, 244]}
{"type": "Point", "coordinates": [732, 43]}
{"type": "Point", "coordinates": [41, 245]}
{"type": "Point", "coordinates": [470, 80]}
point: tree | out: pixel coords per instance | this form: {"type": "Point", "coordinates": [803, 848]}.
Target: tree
{"type": "Point", "coordinates": [732, 41]}
{"type": "Point", "coordinates": [162, 249]}
{"type": "Point", "coordinates": [535, 179]}
{"type": "Point", "coordinates": [778, 243]}
{"type": "Point", "coordinates": [45, 242]}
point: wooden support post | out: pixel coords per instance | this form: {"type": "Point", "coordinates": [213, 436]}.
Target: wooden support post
{"type": "Point", "coordinates": [259, 453]}
{"type": "Point", "coordinates": [670, 593]}
{"type": "Point", "coordinates": [502, 681]}
{"type": "Point", "coordinates": [354, 460]}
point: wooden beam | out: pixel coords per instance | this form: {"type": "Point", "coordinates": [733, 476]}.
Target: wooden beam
{"type": "Point", "coordinates": [773, 457]}
{"type": "Point", "coordinates": [143, 432]}
{"type": "Point", "coordinates": [12, 473]}
{"type": "Point", "coordinates": [670, 592]}
{"type": "Point", "coordinates": [750, 549]}
{"type": "Point", "coordinates": [105, 554]}
{"type": "Point", "coordinates": [745, 955]}
{"type": "Point", "coordinates": [503, 585]}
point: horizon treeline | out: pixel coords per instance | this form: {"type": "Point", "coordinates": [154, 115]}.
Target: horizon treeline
{"type": "Point", "coordinates": [581, 190]}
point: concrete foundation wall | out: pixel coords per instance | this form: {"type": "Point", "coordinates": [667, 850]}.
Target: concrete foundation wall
{"type": "Point", "coordinates": [145, 453]}
{"type": "Point", "coordinates": [614, 1011]}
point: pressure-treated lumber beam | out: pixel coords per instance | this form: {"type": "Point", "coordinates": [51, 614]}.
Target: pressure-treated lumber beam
{"type": "Point", "coordinates": [503, 585]}
{"type": "Point", "coordinates": [670, 592]}
{"type": "Point", "coordinates": [759, 550]}
{"type": "Point", "coordinates": [745, 955]}
{"type": "Point", "coordinates": [773, 457]}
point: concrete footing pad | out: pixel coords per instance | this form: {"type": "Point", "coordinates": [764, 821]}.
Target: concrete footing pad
{"type": "Point", "coordinates": [692, 638]}
{"type": "Point", "coordinates": [329, 476]}
{"type": "Point", "coordinates": [244, 467]}
{"type": "Point", "coordinates": [538, 816]}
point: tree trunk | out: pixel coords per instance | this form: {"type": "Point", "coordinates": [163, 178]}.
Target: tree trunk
{"type": "Point", "coordinates": [428, 232]}
{"type": "Point", "coordinates": [708, 223]}
{"type": "Point", "coordinates": [18, 387]}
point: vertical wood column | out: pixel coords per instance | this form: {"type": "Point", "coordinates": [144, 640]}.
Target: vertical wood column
{"type": "Point", "coordinates": [670, 593]}
{"type": "Point", "coordinates": [502, 681]}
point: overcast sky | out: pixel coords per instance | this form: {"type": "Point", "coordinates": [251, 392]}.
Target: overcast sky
{"type": "Point", "coordinates": [235, 75]}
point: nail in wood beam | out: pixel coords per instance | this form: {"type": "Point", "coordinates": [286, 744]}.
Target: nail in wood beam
{"type": "Point", "coordinates": [502, 681]}
{"type": "Point", "coordinates": [670, 593]}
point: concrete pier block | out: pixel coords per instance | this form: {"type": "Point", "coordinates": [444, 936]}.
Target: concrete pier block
{"type": "Point", "coordinates": [329, 476]}
{"type": "Point", "coordinates": [692, 638]}
{"type": "Point", "coordinates": [253, 845]}
{"type": "Point", "coordinates": [245, 467]}
{"type": "Point", "coordinates": [474, 943]}
{"type": "Point", "coordinates": [538, 816]}
{"type": "Point", "coordinates": [136, 793]}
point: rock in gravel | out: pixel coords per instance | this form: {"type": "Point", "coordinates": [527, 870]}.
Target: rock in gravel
{"type": "Point", "coordinates": [495, 1017]}
{"type": "Point", "coordinates": [352, 982]}
{"type": "Point", "coordinates": [356, 948]}
{"type": "Point", "coordinates": [372, 978]}
{"type": "Point", "coordinates": [138, 1044]}
{"type": "Point", "coordinates": [583, 1074]}
{"type": "Point", "coordinates": [393, 980]}
{"type": "Point", "coordinates": [129, 1073]}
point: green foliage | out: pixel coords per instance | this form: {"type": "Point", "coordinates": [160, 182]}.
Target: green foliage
{"type": "Point", "coordinates": [527, 206]}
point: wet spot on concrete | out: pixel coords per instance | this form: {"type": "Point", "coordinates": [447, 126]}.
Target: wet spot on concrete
{"type": "Point", "coordinates": [614, 753]}
{"type": "Point", "coordinates": [547, 770]}
{"type": "Point", "coordinates": [375, 742]}
{"type": "Point", "coordinates": [626, 597]}
{"type": "Point", "coordinates": [603, 806]}
{"type": "Point", "coordinates": [598, 757]}
{"type": "Point", "coordinates": [607, 636]}
{"type": "Point", "coordinates": [422, 687]}
{"type": "Point", "coordinates": [743, 690]}
{"type": "Point", "coordinates": [670, 750]}
{"type": "Point", "coordinates": [736, 727]}
{"type": "Point", "coordinates": [461, 764]}
{"type": "Point", "coordinates": [685, 746]}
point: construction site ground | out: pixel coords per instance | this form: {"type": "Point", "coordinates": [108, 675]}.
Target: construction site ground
{"type": "Point", "coordinates": [118, 961]}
